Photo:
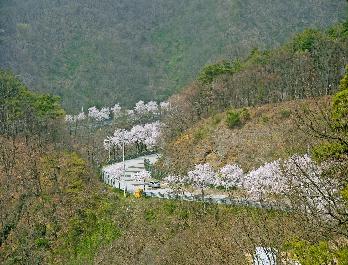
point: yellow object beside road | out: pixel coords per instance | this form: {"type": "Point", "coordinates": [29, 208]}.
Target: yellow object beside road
{"type": "Point", "coordinates": [138, 193]}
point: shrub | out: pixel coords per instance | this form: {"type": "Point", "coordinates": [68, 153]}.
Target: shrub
{"type": "Point", "coordinates": [210, 72]}
{"type": "Point", "coordinates": [285, 113]}
{"type": "Point", "coordinates": [42, 243]}
{"type": "Point", "coordinates": [233, 119]}
{"type": "Point", "coordinates": [217, 119]}
{"type": "Point", "coordinates": [245, 115]}
{"type": "Point", "coordinates": [200, 134]}
{"type": "Point", "coordinates": [150, 215]}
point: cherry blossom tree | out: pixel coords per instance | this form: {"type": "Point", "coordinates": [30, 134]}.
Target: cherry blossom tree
{"type": "Point", "coordinates": [267, 179]}
{"type": "Point", "coordinates": [152, 134]}
{"type": "Point", "coordinates": [142, 176]}
{"type": "Point", "coordinates": [114, 173]}
{"type": "Point", "coordinates": [143, 137]}
{"type": "Point", "coordinates": [231, 176]}
{"type": "Point", "coordinates": [152, 107]}
{"type": "Point", "coordinates": [116, 111]}
{"type": "Point", "coordinates": [165, 106]}
{"type": "Point", "coordinates": [131, 115]}
{"type": "Point", "coordinates": [99, 115]}
{"type": "Point", "coordinates": [201, 177]}
{"type": "Point", "coordinates": [312, 191]}
{"type": "Point", "coordinates": [140, 107]}
{"type": "Point", "coordinates": [176, 183]}
{"type": "Point", "coordinates": [81, 116]}
{"type": "Point", "coordinates": [69, 118]}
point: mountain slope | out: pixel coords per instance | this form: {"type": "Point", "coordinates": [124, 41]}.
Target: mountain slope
{"type": "Point", "coordinates": [99, 52]}
{"type": "Point", "coordinates": [264, 134]}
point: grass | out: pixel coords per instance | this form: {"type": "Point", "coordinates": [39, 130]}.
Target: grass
{"type": "Point", "coordinates": [264, 134]}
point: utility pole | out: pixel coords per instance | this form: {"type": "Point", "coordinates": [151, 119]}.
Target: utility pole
{"type": "Point", "coordinates": [124, 169]}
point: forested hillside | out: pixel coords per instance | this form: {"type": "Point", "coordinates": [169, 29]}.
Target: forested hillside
{"type": "Point", "coordinates": [101, 52]}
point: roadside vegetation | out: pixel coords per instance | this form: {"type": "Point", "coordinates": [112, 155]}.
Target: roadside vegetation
{"type": "Point", "coordinates": [276, 113]}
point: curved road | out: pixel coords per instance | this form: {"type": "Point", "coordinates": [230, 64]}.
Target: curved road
{"type": "Point", "coordinates": [129, 185]}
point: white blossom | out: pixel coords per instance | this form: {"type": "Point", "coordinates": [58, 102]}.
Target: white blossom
{"type": "Point", "coordinates": [264, 180]}
{"type": "Point", "coordinates": [230, 176]}
{"type": "Point", "coordinates": [81, 116]}
{"type": "Point", "coordinates": [176, 182]}
{"type": "Point", "coordinates": [152, 107]}
{"type": "Point", "coordinates": [115, 172]}
{"type": "Point", "coordinates": [141, 176]}
{"type": "Point", "coordinates": [140, 107]}
{"type": "Point", "coordinates": [165, 106]}
{"type": "Point", "coordinates": [116, 110]}
{"type": "Point", "coordinates": [99, 115]}
{"type": "Point", "coordinates": [202, 176]}
{"type": "Point", "coordinates": [318, 193]}
{"type": "Point", "coordinates": [69, 118]}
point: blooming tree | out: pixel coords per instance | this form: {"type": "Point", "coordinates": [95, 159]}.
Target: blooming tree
{"type": "Point", "coordinates": [152, 107]}
{"type": "Point", "coordinates": [140, 107]}
{"type": "Point", "coordinates": [99, 115]}
{"type": "Point", "coordinates": [165, 106]}
{"type": "Point", "coordinates": [69, 118]}
{"type": "Point", "coordinates": [311, 189]}
{"type": "Point", "coordinates": [141, 176]}
{"type": "Point", "coordinates": [75, 118]}
{"type": "Point", "coordinates": [231, 176]}
{"type": "Point", "coordinates": [267, 179]}
{"type": "Point", "coordinates": [81, 116]}
{"type": "Point", "coordinates": [114, 173]}
{"type": "Point", "coordinates": [146, 136]}
{"type": "Point", "coordinates": [175, 182]}
{"type": "Point", "coordinates": [152, 134]}
{"type": "Point", "coordinates": [201, 177]}
{"type": "Point", "coordinates": [116, 110]}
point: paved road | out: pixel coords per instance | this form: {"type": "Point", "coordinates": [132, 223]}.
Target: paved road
{"type": "Point", "coordinates": [262, 256]}
{"type": "Point", "coordinates": [129, 184]}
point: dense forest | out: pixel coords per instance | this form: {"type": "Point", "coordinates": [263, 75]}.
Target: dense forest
{"type": "Point", "coordinates": [309, 65]}
{"type": "Point", "coordinates": [254, 110]}
{"type": "Point", "coordinates": [101, 52]}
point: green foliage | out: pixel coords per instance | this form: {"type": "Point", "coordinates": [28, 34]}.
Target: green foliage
{"type": "Point", "coordinates": [318, 253]}
{"type": "Point", "coordinates": [99, 61]}
{"type": "Point", "coordinates": [200, 133]}
{"type": "Point", "coordinates": [340, 106]}
{"type": "Point", "coordinates": [17, 101]}
{"type": "Point", "coordinates": [245, 115]}
{"type": "Point", "coordinates": [170, 207]}
{"type": "Point", "coordinates": [88, 232]}
{"type": "Point", "coordinates": [329, 150]}
{"type": "Point", "coordinates": [149, 215]}
{"type": "Point", "coordinates": [233, 119]}
{"type": "Point", "coordinates": [210, 72]}
{"type": "Point", "coordinates": [47, 106]}
{"type": "Point", "coordinates": [312, 254]}
{"type": "Point", "coordinates": [344, 81]}
{"type": "Point", "coordinates": [305, 41]}
{"type": "Point", "coordinates": [339, 31]}
{"type": "Point", "coordinates": [344, 193]}
{"type": "Point", "coordinates": [42, 243]}
{"type": "Point", "coordinates": [285, 113]}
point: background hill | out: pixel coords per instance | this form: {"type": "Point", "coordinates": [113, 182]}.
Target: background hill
{"type": "Point", "coordinates": [260, 135]}
{"type": "Point", "coordinates": [99, 52]}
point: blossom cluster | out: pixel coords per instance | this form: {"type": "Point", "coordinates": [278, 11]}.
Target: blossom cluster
{"type": "Point", "coordinates": [147, 134]}
{"type": "Point", "coordinates": [204, 176]}
{"type": "Point", "coordinates": [298, 174]}
{"type": "Point", "coordinates": [115, 172]}
{"type": "Point", "coordinates": [105, 113]}
{"type": "Point", "coordinates": [75, 118]}
{"type": "Point", "coordinates": [141, 176]}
